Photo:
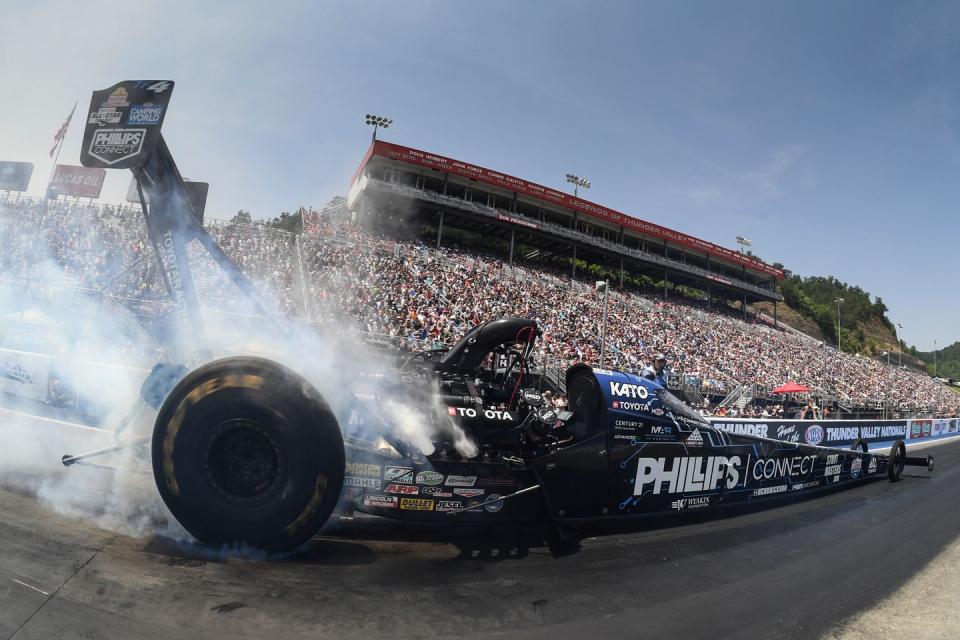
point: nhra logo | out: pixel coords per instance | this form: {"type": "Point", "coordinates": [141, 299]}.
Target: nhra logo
{"type": "Point", "coordinates": [627, 390]}
{"type": "Point", "coordinates": [110, 146]}
{"type": "Point", "coordinates": [813, 434]}
{"type": "Point", "coordinates": [686, 474]}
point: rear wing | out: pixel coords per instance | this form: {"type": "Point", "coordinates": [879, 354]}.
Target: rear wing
{"type": "Point", "coordinates": [123, 132]}
{"type": "Point", "coordinates": [123, 124]}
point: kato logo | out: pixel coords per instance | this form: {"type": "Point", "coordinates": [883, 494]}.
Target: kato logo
{"type": "Point", "coordinates": [627, 390]}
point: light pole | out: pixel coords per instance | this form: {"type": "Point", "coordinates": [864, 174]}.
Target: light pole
{"type": "Point", "coordinates": [603, 332]}
{"type": "Point", "coordinates": [934, 358]}
{"type": "Point", "coordinates": [378, 121]}
{"type": "Point", "coordinates": [743, 242]}
{"type": "Point", "coordinates": [577, 181]}
{"type": "Point", "coordinates": [839, 302]}
{"type": "Point", "coordinates": [899, 347]}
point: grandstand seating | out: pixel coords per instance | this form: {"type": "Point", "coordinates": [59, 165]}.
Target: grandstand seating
{"type": "Point", "coordinates": [419, 296]}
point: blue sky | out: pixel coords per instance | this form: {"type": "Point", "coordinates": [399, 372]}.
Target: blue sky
{"type": "Point", "coordinates": [826, 132]}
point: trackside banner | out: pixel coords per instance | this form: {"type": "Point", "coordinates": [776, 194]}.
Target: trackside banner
{"type": "Point", "coordinates": [827, 433]}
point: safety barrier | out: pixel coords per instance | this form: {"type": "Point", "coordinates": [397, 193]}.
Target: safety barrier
{"type": "Point", "coordinates": [840, 433]}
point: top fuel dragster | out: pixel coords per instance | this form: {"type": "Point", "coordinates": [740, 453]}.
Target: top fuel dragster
{"type": "Point", "coordinates": [246, 450]}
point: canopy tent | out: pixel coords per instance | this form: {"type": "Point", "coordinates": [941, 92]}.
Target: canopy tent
{"type": "Point", "coordinates": [791, 387]}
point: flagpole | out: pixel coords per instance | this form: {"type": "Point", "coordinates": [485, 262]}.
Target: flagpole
{"type": "Point", "coordinates": [56, 159]}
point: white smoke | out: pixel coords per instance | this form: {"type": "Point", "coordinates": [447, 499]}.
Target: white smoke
{"type": "Point", "coordinates": [92, 349]}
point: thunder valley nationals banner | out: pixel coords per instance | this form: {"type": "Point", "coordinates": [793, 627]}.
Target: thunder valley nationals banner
{"type": "Point", "coordinates": [826, 433]}
{"type": "Point", "coordinates": [70, 180]}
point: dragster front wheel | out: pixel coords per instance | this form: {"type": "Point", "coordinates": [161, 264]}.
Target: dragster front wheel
{"type": "Point", "coordinates": [245, 451]}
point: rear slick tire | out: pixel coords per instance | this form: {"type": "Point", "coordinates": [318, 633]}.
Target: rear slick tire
{"type": "Point", "coordinates": [246, 452]}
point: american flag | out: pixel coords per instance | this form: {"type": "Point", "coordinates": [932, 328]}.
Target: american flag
{"type": "Point", "coordinates": [58, 137]}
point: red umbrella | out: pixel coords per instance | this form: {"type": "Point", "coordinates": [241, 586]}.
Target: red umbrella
{"type": "Point", "coordinates": [791, 387]}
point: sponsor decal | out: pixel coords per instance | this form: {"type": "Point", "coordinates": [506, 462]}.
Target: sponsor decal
{"type": "Point", "coordinates": [380, 501]}
{"type": "Point", "coordinates": [117, 99]}
{"type": "Point", "coordinates": [145, 114]}
{"type": "Point", "coordinates": [914, 430]}
{"type": "Point", "coordinates": [110, 146]}
{"type": "Point", "coordinates": [626, 425]}
{"type": "Point", "coordinates": [767, 491]}
{"type": "Point", "coordinates": [15, 372]}
{"type": "Point", "coordinates": [105, 115]}
{"type": "Point", "coordinates": [799, 486]}
{"type": "Point", "coordinates": [494, 507]}
{"type": "Point", "coordinates": [814, 434]}
{"type": "Point", "coordinates": [855, 467]}
{"type": "Point", "coordinates": [872, 467]}
{"type": "Point", "coordinates": [429, 477]}
{"type": "Point", "coordinates": [363, 469]}
{"type": "Point", "coordinates": [677, 475]}
{"type": "Point", "coordinates": [460, 481]}
{"type": "Point", "coordinates": [629, 406]}
{"type": "Point", "coordinates": [367, 483]}
{"type": "Point", "coordinates": [838, 434]}
{"type": "Point", "coordinates": [788, 433]}
{"type": "Point", "coordinates": [769, 468]}
{"type": "Point", "coordinates": [403, 489]}
{"type": "Point", "coordinates": [416, 504]}
{"type": "Point", "coordinates": [495, 481]}
{"type": "Point", "coordinates": [448, 505]}
{"type": "Point", "coordinates": [744, 428]}
{"type": "Point", "coordinates": [474, 506]}
{"type": "Point", "coordinates": [156, 87]}
{"type": "Point", "coordinates": [690, 503]}
{"type": "Point", "coordinates": [695, 439]}
{"type": "Point", "coordinates": [657, 411]}
{"type": "Point", "coordinates": [883, 431]}
{"type": "Point", "coordinates": [833, 467]}
{"type": "Point", "coordinates": [627, 390]}
{"type": "Point", "coordinates": [400, 475]}
{"type": "Point", "coordinates": [436, 492]}
{"type": "Point", "coordinates": [469, 493]}
{"type": "Point", "coordinates": [489, 414]}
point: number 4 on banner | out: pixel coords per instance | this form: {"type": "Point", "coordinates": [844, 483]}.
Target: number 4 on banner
{"type": "Point", "coordinates": [159, 87]}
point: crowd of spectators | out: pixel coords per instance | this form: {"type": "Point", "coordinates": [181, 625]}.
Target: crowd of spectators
{"type": "Point", "coordinates": [423, 297]}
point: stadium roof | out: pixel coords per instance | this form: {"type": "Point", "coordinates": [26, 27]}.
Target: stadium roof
{"type": "Point", "coordinates": [559, 199]}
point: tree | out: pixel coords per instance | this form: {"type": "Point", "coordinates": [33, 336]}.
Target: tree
{"type": "Point", "coordinates": [242, 217]}
{"type": "Point", "coordinates": [292, 222]}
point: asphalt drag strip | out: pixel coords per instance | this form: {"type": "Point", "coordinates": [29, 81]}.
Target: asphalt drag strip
{"type": "Point", "coordinates": [829, 566]}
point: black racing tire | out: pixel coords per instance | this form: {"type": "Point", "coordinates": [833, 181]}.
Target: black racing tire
{"type": "Point", "coordinates": [247, 452]}
{"type": "Point", "coordinates": [860, 445]}
{"type": "Point", "coordinates": [898, 452]}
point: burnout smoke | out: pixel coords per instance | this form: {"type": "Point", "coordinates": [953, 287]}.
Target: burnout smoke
{"type": "Point", "coordinates": [58, 266]}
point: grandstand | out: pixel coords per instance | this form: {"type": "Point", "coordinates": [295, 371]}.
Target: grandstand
{"type": "Point", "coordinates": [396, 182]}
{"type": "Point", "coordinates": [410, 294]}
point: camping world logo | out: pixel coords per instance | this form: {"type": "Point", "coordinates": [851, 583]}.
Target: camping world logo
{"type": "Point", "coordinates": [110, 146]}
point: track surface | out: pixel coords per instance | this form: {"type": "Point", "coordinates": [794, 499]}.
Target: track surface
{"type": "Point", "coordinates": [794, 571]}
